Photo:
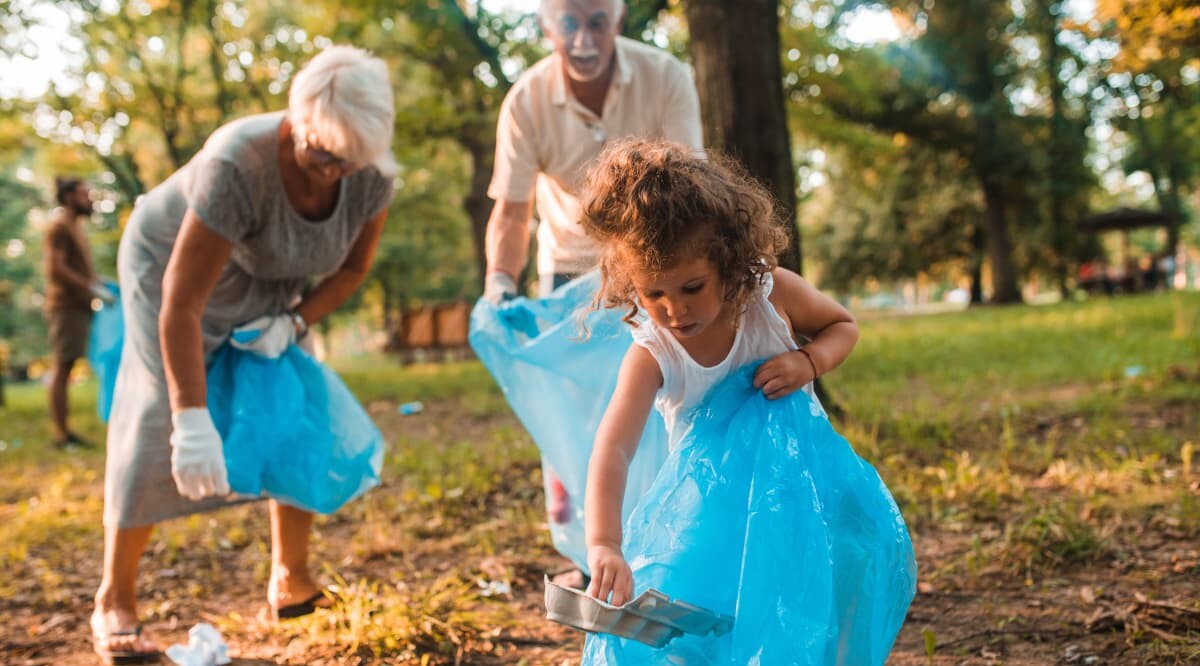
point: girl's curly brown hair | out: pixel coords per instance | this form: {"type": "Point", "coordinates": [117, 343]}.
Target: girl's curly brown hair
{"type": "Point", "coordinates": [662, 202]}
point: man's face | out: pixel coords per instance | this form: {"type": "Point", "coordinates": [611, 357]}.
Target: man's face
{"type": "Point", "coordinates": [81, 199]}
{"type": "Point", "coordinates": [584, 34]}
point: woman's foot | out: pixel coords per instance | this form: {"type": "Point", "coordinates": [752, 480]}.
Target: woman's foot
{"type": "Point", "coordinates": [117, 637]}
{"type": "Point", "coordinates": [295, 595]}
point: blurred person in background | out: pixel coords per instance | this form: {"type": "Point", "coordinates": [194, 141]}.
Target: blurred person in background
{"type": "Point", "coordinates": [71, 284]}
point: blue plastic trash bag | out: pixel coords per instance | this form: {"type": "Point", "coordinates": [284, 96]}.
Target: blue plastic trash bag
{"type": "Point", "coordinates": [292, 430]}
{"type": "Point", "coordinates": [559, 384]}
{"type": "Point", "coordinates": [104, 349]}
{"type": "Point", "coordinates": [766, 514]}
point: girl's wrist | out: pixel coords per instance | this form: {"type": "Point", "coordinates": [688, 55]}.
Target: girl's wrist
{"type": "Point", "coordinates": [806, 351]}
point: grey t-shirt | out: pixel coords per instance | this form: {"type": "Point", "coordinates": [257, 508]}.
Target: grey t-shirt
{"type": "Point", "coordinates": [234, 186]}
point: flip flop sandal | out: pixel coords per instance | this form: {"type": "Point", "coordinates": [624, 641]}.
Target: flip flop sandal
{"type": "Point", "coordinates": [306, 607]}
{"type": "Point", "coordinates": [100, 643]}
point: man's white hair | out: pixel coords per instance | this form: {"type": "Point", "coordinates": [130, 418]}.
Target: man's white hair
{"type": "Point", "coordinates": [343, 100]}
{"type": "Point", "coordinates": [544, 7]}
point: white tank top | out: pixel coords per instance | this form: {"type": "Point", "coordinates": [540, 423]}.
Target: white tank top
{"type": "Point", "coordinates": [761, 334]}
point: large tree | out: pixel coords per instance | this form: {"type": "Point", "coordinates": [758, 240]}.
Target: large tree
{"type": "Point", "coordinates": [734, 45]}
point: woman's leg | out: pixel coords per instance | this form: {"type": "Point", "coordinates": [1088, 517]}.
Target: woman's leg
{"type": "Point", "coordinates": [116, 616]}
{"type": "Point", "coordinates": [291, 582]}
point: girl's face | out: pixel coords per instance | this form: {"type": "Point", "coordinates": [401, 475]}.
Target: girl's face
{"type": "Point", "coordinates": [685, 298]}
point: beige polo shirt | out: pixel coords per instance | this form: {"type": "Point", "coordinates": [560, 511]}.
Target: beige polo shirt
{"type": "Point", "coordinates": [546, 140]}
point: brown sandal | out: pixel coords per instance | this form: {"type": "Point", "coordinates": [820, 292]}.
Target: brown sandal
{"type": "Point", "coordinates": [101, 643]}
{"type": "Point", "coordinates": [306, 607]}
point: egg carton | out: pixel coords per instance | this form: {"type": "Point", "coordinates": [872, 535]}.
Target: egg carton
{"type": "Point", "coordinates": [651, 618]}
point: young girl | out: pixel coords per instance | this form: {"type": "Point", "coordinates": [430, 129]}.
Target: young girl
{"type": "Point", "coordinates": [761, 511]}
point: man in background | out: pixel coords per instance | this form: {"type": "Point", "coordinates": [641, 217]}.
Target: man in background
{"type": "Point", "coordinates": [71, 284]}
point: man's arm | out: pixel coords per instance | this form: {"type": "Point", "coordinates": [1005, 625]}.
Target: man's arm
{"type": "Point", "coordinates": [507, 247]}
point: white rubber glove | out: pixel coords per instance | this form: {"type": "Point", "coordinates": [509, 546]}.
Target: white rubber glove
{"type": "Point", "coordinates": [267, 336]}
{"type": "Point", "coordinates": [103, 293]}
{"type": "Point", "coordinates": [498, 287]}
{"type": "Point", "coordinates": [197, 460]}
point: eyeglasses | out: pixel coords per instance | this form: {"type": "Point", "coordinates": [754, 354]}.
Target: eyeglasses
{"type": "Point", "coordinates": [321, 158]}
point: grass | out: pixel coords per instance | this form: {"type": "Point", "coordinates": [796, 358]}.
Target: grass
{"type": "Point", "coordinates": [1028, 443]}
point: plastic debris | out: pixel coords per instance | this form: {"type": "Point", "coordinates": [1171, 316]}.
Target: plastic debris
{"type": "Point", "coordinates": [410, 408]}
{"type": "Point", "coordinates": [766, 514]}
{"type": "Point", "coordinates": [205, 647]}
{"type": "Point", "coordinates": [494, 588]}
{"type": "Point", "coordinates": [652, 617]}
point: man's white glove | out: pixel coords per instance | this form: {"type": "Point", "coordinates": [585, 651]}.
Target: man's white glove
{"type": "Point", "coordinates": [498, 287]}
{"type": "Point", "coordinates": [267, 336]}
{"type": "Point", "coordinates": [103, 293]}
{"type": "Point", "coordinates": [197, 460]}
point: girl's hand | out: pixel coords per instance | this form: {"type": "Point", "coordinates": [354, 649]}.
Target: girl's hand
{"type": "Point", "coordinates": [784, 374]}
{"type": "Point", "coordinates": [610, 575]}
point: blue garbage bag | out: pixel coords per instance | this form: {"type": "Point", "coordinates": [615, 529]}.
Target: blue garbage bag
{"type": "Point", "coordinates": [104, 349]}
{"type": "Point", "coordinates": [291, 429]}
{"type": "Point", "coordinates": [766, 514]}
{"type": "Point", "coordinates": [558, 380]}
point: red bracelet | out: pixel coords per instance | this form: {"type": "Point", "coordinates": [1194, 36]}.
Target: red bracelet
{"type": "Point", "coordinates": [811, 362]}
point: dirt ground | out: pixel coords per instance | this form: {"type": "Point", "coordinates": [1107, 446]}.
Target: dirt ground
{"type": "Point", "coordinates": [1136, 606]}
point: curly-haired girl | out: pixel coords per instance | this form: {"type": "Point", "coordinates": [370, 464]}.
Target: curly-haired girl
{"type": "Point", "coordinates": [689, 246]}
{"type": "Point", "coordinates": [689, 249]}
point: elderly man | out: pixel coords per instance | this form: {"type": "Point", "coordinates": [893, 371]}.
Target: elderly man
{"type": "Point", "coordinates": [594, 87]}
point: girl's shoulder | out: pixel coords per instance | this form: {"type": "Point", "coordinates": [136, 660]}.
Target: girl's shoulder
{"type": "Point", "coordinates": [781, 283]}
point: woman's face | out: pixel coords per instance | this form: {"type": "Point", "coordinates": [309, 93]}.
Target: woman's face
{"type": "Point", "coordinates": [321, 165]}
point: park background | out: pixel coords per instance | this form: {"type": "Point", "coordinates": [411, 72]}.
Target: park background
{"type": "Point", "coordinates": [1004, 191]}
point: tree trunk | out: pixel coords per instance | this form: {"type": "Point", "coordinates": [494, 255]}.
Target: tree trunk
{"type": "Point", "coordinates": [734, 45]}
{"type": "Point", "coordinates": [1004, 274]}
{"type": "Point", "coordinates": [978, 249]}
{"type": "Point", "coordinates": [1171, 202]}
{"type": "Point", "coordinates": [477, 203]}
{"type": "Point", "coordinates": [1059, 129]}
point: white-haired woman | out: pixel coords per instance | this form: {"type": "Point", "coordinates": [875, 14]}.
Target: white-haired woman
{"type": "Point", "coordinates": [234, 236]}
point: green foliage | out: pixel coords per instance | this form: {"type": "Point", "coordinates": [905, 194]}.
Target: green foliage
{"type": "Point", "coordinates": [22, 334]}
{"type": "Point", "coordinates": [931, 149]}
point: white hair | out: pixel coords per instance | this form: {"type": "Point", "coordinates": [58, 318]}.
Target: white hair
{"type": "Point", "coordinates": [544, 6]}
{"type": "Point", "coordinates": [343, 99]}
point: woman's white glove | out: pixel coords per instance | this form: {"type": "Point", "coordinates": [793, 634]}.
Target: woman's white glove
{"type": "Point", "coordinates": [197, 460]}
{"type": "Point", "coordinates": [267, 336]}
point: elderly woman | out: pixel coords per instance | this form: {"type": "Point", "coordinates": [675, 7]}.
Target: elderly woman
{"type": "Point", "coordinates": [269, 202]}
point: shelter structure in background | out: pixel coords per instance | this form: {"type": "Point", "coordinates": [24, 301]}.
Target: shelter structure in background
{"type": "Point", "coordinates": [1128, 273]}
{"type": "Point", "coordinates": [432, 332]}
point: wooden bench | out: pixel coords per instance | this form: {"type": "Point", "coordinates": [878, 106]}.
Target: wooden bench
{"type": "Point", "coordinates": [434, 332]}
